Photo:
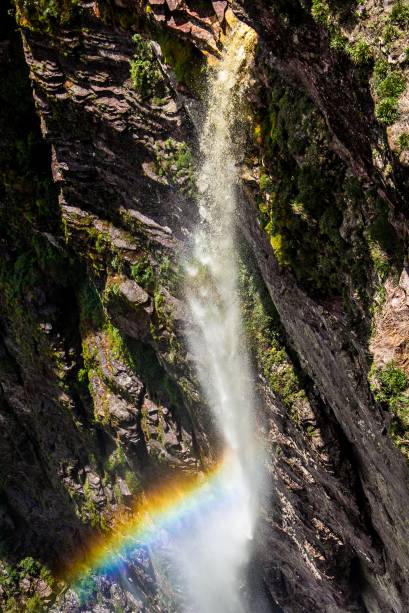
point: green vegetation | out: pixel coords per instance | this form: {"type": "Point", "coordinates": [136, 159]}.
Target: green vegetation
{"type": "Point", "coordinates": [403, 141]}
{"type": "Point", "coordinates": [339, 42]}
{"type": "Point", "coordinates": [265, 337]}
{"type": "Point", "coordinates": [145, 73]}
{"type": "Point", "coordinates": [132, 482]}
{"type": "Point", "coordinates": [116, 460]}
{"type": "Point", "coordinates": [46, 15]}
{"type": "Point", "coordinates": [31, 572]}
{"type": "Point", "coordinates": [360, 52]}
{"type": "Point", "coordinates": [187, 63]}
{"type": "Point", "coordinates": [333, 16]}
{"type": "Point", "coordinates": [174, 160]}
{"type": "Point", "coordinates": [387, 111]}
{"type": "Point", "coordinates": [32, 265]}
{"type": "Point", "coordinates": [390, 84]}
{"type": "Point", "coordinates": [300, 206]}
{"type": "Point", "coordinates": [88, 511]}
{"type": "Point", "coordinates": [393, 382]}
{"type": "Point", "coordinates": [381, 69]}
{"type": "Point", "coordinates": [91, 308]}
{"type": "Point", "coordinates": [86, 589]}
{"type": "Point", "coordinates": [306, 196]}
{"type": "Point", "coordinates": [161, 388]}
{"type": "Point", "coordinates": [142, 272]}
{"type": "Point", "coordinates": [321, 12]}
{"type": "Point", "coordinates": [391, 386]}
{"type": "Point", "coordinates": [390, 34]}
{"type": "Point", "coordinates": [118, 344]}
{"type": "Point", "coordinates": [31, 262]}
{"type": "Point", "coordinates": [400, 14]}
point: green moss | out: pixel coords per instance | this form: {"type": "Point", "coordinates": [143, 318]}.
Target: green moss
{"type": "Point", "coordinates": [321, 12]}
{"type": "Point", "coordinates": [31, 571]}
{"type": "Point", "coordinates": [393, 382]}
{"type": "Point", "coordinates": [142, 272]}
{"type": "Point", "coordinates": [17, 279]}
{"type": "Point", "coordinates": [112, 293]}
{"type": "Point", "coordinates": [391, 386]}
{"type": "Point", "coordinates": [187, 63]}
{"type": "Point", "coordinates": [277, 243]}
{"type": "Point", "coordinates": [174, 160]}
{"type": "Point", "coordinates": [265, 337]}
{"type": "Point", "coordinates": [35, 604]}
{"type": "Point", "coordinates": [265, 183]}
{"type": "Point", "coordinates": [88, 511]}
{"type": "Point", "coordinates": [403, 141]}
{"type": "Point", "coordinates": [86, 589]}
{"type": "Point", "coordinates": [300, 198]}
{"type": "Point", "coordinates": [308, 198]}
{"type": "Point", "coordinates": [387, 111]}
{"type": "Point", "coordinates": [360, 52]}
{"type": "Point", "coordinates": [339, 42]}
{"type": "Point", "coordinates": [392, 86]}
{"type": "Point", "coordinates": [145, 73]}
{"type": "Point", "coordinates": [91, 309]}
{"type": "Point", "coordinates": [381, 70]}
{"type": "Point", "coordinates": [310, 431]}
{"type": "Point", "coordinates": [390, 34]}
{"type": "Point", "coordinates": [333, 14]}
{"type": "Point", "coordinates": [382, 232]}
{"type": "Point", "coordinates": [380, 261]}
{"type": "Point", "coordinates": [117, 343]}
{"type": "Point", "coordinates": [118, 263]}
{"type": "Point", "coordinates": [133, 482]}
{"type": "Point", "coordinates": [115, 461]}
{"type": "Point", "coordinates": [46, 15]}
{"type": "Point", "coordinates": [400, 13]}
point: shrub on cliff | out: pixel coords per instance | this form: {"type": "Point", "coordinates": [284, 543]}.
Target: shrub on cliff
{"type": "Point", "coordinates": [45, 14]}
{"type": "Point", "coordinates": [400, 13]}
{"type": "Point", "coordinates": [360, 52]}
{"type": "Point", "coordinates": [391, 385]}
{"type": "Point", "coordinates": [390, 84]}
{"type": "Point", "coordinates": [146, 76]}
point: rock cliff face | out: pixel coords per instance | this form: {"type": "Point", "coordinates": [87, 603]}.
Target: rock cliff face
{"type": "Point", "coordinates": [98, 397]}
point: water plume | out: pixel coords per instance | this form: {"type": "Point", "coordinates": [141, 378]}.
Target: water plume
{"type": "Point", "coordinates": [217, 555]}
{"type": "Point", "coordinates": [198, 529]}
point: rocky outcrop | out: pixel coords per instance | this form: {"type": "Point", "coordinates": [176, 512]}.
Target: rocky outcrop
{"type": "Point", "coordinates": [302, 46]}
{"type": "Point", "coordinates": [86, 418]}
{"type": "Point", "coordinates": [338, 368]}
{"type": "Point", "coordinates": [202, 23]}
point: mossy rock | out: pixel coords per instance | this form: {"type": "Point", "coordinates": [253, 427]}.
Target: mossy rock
{"type": "Point", "coordinates": [46, 15]}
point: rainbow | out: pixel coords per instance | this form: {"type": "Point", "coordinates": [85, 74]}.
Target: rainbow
{"type": "Point", "coordinates": [170, 508]}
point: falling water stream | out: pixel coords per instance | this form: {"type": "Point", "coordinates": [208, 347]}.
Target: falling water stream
{"type": "Point", "coordinates": [216, 556]}
{"type": "Point", "coordinates": [199, 533]}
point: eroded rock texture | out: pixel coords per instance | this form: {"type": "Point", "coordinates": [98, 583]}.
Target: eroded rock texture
{"type": "Point", "coordinates": [98, 397]}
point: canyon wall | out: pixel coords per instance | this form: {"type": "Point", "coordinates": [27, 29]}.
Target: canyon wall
{"type": "Point", "coordinates": [98, 396]}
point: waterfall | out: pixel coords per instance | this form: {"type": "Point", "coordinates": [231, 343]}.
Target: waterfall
{"type": "Point", "coordinates": [198, 531]}
{"type": "Point", "coordinates": [217, 553]}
